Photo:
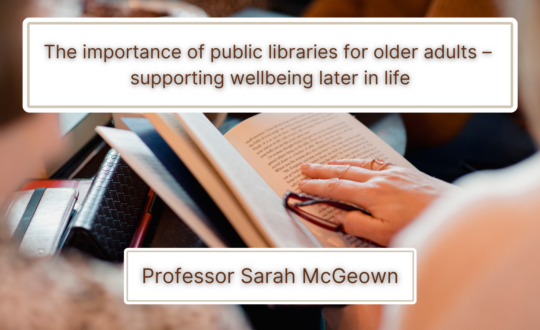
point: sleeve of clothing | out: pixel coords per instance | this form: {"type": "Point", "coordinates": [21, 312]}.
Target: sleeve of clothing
{"type": "Point", "coordinates": [82, 294]}
{"type": "Point", "coordinates": [402, 8]}
{"type": "Point", "coordinates": [477, 256]}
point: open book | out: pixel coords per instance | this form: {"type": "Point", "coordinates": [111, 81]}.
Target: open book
{"type": "Point", "coordinates": [229, 189]}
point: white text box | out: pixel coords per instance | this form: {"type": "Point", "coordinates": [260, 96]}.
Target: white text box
{"type": "Point", "coordinates": [270, 276]}
{"type": "Point", "coordinates": [485, 81]}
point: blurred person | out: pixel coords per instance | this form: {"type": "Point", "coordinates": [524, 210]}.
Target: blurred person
{"type": "Point", "coordinates": [478, 264]}
{"type": "Point", "coordinates": [445, 145]}
{"type": "Point", "coordinates": [60, 294]}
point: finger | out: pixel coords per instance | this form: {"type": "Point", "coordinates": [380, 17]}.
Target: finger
{"type": "Point", "coordinates": [342, 190]}
{"type": "Point", "coordinates": [362, 225]}
{"type": "Point", "coordinates": [358, 162]}
{"type": "Point", "coordinates": [346, 172]}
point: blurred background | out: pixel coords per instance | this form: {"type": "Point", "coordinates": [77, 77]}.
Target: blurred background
{"type": "Point", "coordinates": [443, 145]}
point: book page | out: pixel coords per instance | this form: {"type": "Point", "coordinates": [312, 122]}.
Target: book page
{"type": "Point", "coordinates": [183, 176]}
{"type": "Point", "coordinates": [276, 144]}
{"type": "Point", "coordinates": [259, 201]}
{"type": "Point", "coordinates": [176, 136]}
{"type": "Point", "coordinates": [141, 159]}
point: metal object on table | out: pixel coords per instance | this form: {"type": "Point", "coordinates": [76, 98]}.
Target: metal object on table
{"type": "Point", "coordinates": [37, 223]}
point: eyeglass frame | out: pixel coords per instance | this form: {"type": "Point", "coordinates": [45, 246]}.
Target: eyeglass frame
{"type": "Point", "coordinates": [307, 200]}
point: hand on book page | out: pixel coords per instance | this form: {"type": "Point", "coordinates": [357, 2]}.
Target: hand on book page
{"type": "Point", "coordinates": [393, 195]}
{"type": "Point", "coordinates": [263, 206]}
{"type": "Point", "coordinates": [141, 159]}
{"type": "Point", "coordinates": [276, 144]}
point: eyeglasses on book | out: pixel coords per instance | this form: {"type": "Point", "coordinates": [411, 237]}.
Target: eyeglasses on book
{"type": "Point", "coordinates": [298, 202]}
